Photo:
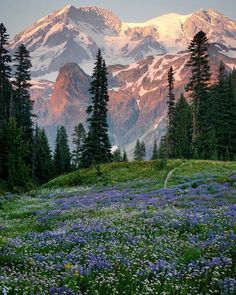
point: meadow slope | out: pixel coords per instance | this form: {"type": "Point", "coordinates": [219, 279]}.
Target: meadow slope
{"type": "Point", "coordinates": [114, 229]}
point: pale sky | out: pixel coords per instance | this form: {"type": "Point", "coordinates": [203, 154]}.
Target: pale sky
{"type": "Point", "coordinates": [19, 14]}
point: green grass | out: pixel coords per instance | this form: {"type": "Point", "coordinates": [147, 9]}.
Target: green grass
{"type": "Point", "coordinates": [116, 173]}
{"type": "Point", "coordinates": [19, 216]}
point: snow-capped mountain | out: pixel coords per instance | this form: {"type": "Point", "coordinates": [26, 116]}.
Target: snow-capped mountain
{"type": "Point", "coordinates": [63, 46]}
{"type": "Point", "coordinates": [74, 35]}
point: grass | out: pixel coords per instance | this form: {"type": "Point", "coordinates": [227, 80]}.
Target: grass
{"type": "Point", "coordinates": [114, 230]}
{"type": "Point", "coordinates": [116, 173]}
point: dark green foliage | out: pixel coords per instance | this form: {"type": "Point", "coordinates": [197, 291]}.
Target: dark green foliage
{"type": "Point", "coordinates": [116, 156]}
{"type": "Point", "coordinates": [78, 140]}
{"type": "Point", "coordinates": [226, 123]}
{"type": "Point", "coordinates": [42, 159]}
{"type": "Point", "coordinates": [232, 91]}
{"type": "Point", "coordinates": [182, 124]}
{"type": "Point", "coordinates": [22, 108]}
{"type": "Point", "coordinates": [62, 155]}
{"type": "Point", "coordinates": [171, 96]}
{"type": "Point", "coordinates": [170, 140]}
{"type": "Point", "coordinates": [125, 157]}
{"type": "Point", "coordinates": [5, 75]}
{"type": "Point", "coordinates": [97, 147]}
{"type": "Point", "coordinates": [143, 150]}
{"type": "Point", "coordinates": [154, 151]}
{"type": "Point", "coordinates": [198, 86]}
{"type": "Point", "coordinates": [162, 151]}
{"type": "Point", "coordinates": [139, 151]}
{"type": "Point", "coordinates": [12, 150]}
{"type": "Point", "coordinates": [23, 105]}
{"type": "Point", "coordinates": [221, 119]}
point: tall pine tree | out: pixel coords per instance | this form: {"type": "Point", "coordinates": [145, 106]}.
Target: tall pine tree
{"type": "Point", "coordinates": [224, 117]}
{"type": "Point", "coordinates": [5, 75]}
{"type": "Point", "coordinates": [78, 140]}
{"type": "Point", "coordinates": [22, 104]}
{"type": "Point", "coordinates": [12, 149]}
{"type": "Point", "coordinates": [154, 151]}
{"type": "Point", "coordinates": [62, 157]}
{"type": "Point", "coordinates": [139, 151]}
{"type": "Point", "coordinates": [125, 157]}
{"type": "Point", "coordinates": [182, 125]}
{"type": "Point", "coordinates": [171, 108]}
{"type": "Point", "coordinates": [116, 156]}
{"type": "Point", "coordinates": [198, 86]}
{"type": "Point", "coordinates": [97, 147]}
{"type": "Point", "coordinates": [43, 166]}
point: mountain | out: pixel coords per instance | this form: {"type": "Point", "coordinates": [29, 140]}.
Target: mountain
{"type": "Point", "coordinates": [63, 46]}
{"type": "Point", "coordinates": [137, 96]}
{"type": "Point", "coordinates": [74, 35]}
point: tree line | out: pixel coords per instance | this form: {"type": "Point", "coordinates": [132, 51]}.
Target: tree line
{"type": "Point", "coordinates": [205, 128]}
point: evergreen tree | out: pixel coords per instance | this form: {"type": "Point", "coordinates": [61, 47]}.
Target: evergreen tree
{"type": "Point", "coordinates": [171, 109]}
{"type": "Point", "coordinates": [62, 155]}
{"type": "Point", "coordinates": [12, 149]}
{"type": "Point", "coordinates": [116, 156]}
{"type": "Point", "coordinates": [125, 157]}
{"type": "Point", "coordinates": [139, 151]}
{"type": "Point", "coordinates": [171, 96]}
{"type": "Point", "coordinates": [5, 74]}
{"type": "Point", "coordinates": [162, 151]}
{"type": "Point", "coordinates": [23, 105]}
{"type": "Point", "coordinates": [232, 93]}
{"type": "Point", "coordinates": [97, 147]}
{"type": "Point", "coordinates": [143, 150]}
{"type": "Point", "coordinates": [58, 159]}
{"type": "Point", "coordinates": [224, 117]}
{"type": "Point", "coordinates": [35, 153]}
{"type": "Point", "coordinates": [223, 130]}
{"type": "Point", "coordinates": [198, 85]}
{"type": "Point", "coordinates": [182, 125]}
{"type": "Point", "coordinates": [43, 167]}
{"type": "Point", "coordinates": [78, 140]}
{"type": "Point", "coordinates": [154, 151]}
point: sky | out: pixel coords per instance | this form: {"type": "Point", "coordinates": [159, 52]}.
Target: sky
{"type": "Point", "coordinates": [17, 15]}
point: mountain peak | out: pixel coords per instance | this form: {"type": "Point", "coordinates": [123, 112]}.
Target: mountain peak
{"type": "Point", "coordinates": [75, 34]}
{"type": "Point", "coordinates": [66, 9]}
{"type": "Point", "coordinates": [209, 14]}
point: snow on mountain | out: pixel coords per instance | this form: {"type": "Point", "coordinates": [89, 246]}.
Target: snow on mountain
{"type": "Point", "coordinates": [59, 33]}
{"type": "Point", "coordinates": [139, 56]}
{"type": "Point", "coordinates": [74, 35]}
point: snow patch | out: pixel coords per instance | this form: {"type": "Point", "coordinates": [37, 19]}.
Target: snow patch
{"type": "Point", "coordinates": [231, 66]}
{"type": "Point", "coordinates": [114, 148]}
{"type": "Point", "coordinates": [138, 103]}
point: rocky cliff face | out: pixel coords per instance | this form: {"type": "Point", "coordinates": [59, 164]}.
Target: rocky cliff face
{"type": "Point", "coordinates": [68, 102]}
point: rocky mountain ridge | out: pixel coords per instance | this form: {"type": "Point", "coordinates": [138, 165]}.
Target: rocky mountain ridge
{"type": "Point", "coordinates": [74, 35]}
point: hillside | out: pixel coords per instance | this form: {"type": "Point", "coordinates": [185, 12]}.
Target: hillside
{"type": "Point", "coordinates": [120, 173]}
{"type": "Point", "coordinates": [127, 230]}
